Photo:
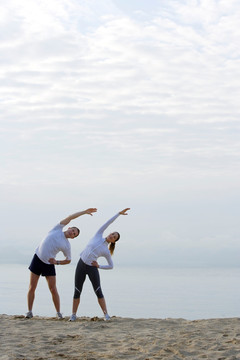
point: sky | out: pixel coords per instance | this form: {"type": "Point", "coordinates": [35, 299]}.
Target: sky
{"type": "Point", "coordinates": [114, 104]}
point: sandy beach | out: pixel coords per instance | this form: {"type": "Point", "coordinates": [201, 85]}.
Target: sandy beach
{"type": "Point", "coordinates": [42, 338]}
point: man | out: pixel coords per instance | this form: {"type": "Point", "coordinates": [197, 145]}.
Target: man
{"type": "Point", "coordinates": [44, 259]}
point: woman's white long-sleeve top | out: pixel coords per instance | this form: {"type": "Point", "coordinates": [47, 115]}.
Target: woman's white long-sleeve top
{"type": "Point", "coordinates": [98, 246]}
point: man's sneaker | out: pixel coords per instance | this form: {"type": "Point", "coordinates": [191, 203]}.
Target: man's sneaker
{"type": "Point", "coordinates": [59, 315]}
{"type": "Point", "coordinates": [29, 315]}
{"type": "Point", "coordinates": [107, 317]}
{"type": "Point", "coordinates": [73, 317]}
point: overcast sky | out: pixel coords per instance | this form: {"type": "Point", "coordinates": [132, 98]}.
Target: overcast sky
{"type": "Point", "coordinates": [122, 103]}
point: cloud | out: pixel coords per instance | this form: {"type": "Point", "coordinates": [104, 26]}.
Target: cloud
{"type": "Point", "coordinates": [163, 66]}
{"type": "Point", "coordinates": [117, 100]}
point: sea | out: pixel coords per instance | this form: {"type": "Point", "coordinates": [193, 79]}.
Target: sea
{"type": "Point", "coordinates": [133, 292]}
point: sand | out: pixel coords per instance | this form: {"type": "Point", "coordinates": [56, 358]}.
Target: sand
{"type": "Point", "coordinates": [42, 338]}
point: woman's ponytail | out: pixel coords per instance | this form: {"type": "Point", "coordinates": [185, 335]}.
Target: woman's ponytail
{"type": "Point", "coordinates": [111, 248]}
{"type": "Point", "coordinates": [112, 245]}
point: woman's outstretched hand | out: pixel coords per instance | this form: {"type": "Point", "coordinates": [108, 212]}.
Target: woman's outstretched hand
{"type": "Point", "coordinates": [124, 212]}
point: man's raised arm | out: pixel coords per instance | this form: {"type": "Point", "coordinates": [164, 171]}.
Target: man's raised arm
{"type": "Point", "coordinates": [77, 214]}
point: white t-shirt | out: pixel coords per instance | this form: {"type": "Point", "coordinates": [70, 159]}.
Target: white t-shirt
{"type": "Point", "coordinates": [97, 247]}
{"type": "Point", "coordinates": [53, 244]}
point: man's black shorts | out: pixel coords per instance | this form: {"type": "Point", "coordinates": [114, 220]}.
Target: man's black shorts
{"type": "Point", "coordinates": [38, 267]}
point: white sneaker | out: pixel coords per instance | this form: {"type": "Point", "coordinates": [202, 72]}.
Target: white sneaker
{"type": "Point", "coordinates": [107, 317]}
{"type": "Point", "coordinates": [73, 317]}
{"type": "Point", "coordinates": [59, 316]}
{"type": "Point", "coordinates": [29, 315]}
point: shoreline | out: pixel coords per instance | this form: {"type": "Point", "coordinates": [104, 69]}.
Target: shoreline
{"type": "Point", "coordinates": [120, 338]}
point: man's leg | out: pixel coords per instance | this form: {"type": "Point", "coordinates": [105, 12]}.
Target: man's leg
{"type": "Point", "coordinates": [51, 280]}
{"type": "Point", "coordinates": [32, 287]}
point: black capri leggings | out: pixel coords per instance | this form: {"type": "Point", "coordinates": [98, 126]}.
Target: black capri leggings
{"type": "Point", "coordinates": [80, 275]}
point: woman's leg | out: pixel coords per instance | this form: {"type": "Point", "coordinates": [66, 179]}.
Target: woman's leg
{"type": "Point", "coordinates": [80, 276]}
{"type": "Point", "coordinates": [94, 277]}
{"type": "Point", "coordinates": [75, 305]}
{"type": "Point", "coordinates": [103, 305]}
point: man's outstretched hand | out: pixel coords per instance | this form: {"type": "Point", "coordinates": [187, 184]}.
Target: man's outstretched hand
{"type": "Point", "coordinates": [90, 211]}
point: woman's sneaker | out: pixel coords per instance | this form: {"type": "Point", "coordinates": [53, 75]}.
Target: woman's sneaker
{"type": "Point", "coordinates": [73, 317]}
{"type": "Point", "coordinates": [107, 317]}
{"type": "Point", "coordinates": [29, 315]}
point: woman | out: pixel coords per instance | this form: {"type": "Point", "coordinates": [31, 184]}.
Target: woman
{"type": "Point", "coordinates": [88, 265]}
